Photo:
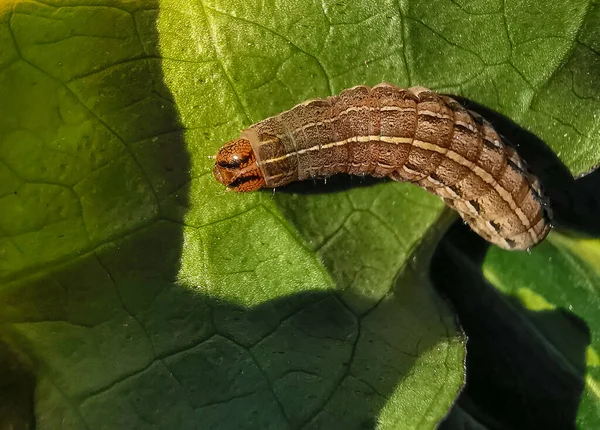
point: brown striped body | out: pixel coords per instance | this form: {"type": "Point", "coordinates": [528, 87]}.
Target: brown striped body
{"type": "Point", "coordinates": [412, 135]}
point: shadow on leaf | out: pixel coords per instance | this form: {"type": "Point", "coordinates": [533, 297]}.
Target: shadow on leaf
{"type": "Point", "coordinates": [137, 347]}
{"type": "Point", "coordinates": [113, 339]}
{"type": "Point", "coordinates": [61, 324]}
{"type": "Point", "coordinates": [525, 369]}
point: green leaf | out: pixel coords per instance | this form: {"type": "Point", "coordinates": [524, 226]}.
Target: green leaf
{"type": "Point", "coordinates": [526, 360]}
{"type": "Point", "coordinates": [569, 279]}
{"type": "Point", "coordinates": [134, 292]}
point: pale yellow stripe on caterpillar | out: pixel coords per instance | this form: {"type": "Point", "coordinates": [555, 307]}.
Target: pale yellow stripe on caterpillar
{"type": "Point", "coordinates": [363, 108]}
{"type": "Point", "coordinates": [485, 176]}
{"type": "Point", "coordinates": [454, 156]}
{"type": "Point", "coordinates": [353, 139]}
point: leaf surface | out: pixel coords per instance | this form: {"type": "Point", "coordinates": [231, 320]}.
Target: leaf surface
{"type": "Point", "coordinates": [134, 292]}
{"type": "Point", "coordinates": [567, 278]}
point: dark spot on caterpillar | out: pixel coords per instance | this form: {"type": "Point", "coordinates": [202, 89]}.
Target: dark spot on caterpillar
{"type": "Point", "coordinates": [537, 196]}
{"type": "Point", "coordinates": [435, 177]}
{"type": "Point", "coordinates": [477, 118]}
{"type": "Point", "coordinates": [411, 166]}
{"type": "Point", "coordinates": [476, 205]}
{"type": "Point", "coordinates": [495, 226]}
{"type": "Point", "coordinates": [515, 166]}
{"type": "Point", "coordinates": [464, 128]}
{"type": "Point", "coordinates": [489, 144]}
{"type": "Point", "coordinates": [230, 164]}
{"type": "Point", "coordinates": [449, 202]}
{"type": "Point", "coordinates": [237, 183]}
{"type": "Point", "coordinates": [455, 188]}
{"type": "Point", "coordinates": [511, 242]}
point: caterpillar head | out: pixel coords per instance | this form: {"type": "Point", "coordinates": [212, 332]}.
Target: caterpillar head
{"type": "Point", "coordinates": [236, 167]}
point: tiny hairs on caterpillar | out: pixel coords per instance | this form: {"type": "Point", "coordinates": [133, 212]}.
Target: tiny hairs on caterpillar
{"type": "Point", "coordinates": [412, 135]}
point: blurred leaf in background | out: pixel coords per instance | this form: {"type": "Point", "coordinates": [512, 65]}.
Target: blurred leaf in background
{"type": "Point", "coordinates": [134, 292]}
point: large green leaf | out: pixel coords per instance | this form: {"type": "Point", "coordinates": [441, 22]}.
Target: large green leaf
{"type": "Point", "coordinates": [136, 293]}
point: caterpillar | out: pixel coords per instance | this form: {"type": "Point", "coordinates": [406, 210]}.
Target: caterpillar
{"type": "Point", "coordinates": [412, 135]}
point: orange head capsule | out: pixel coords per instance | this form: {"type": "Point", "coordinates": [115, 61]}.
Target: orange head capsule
{"type": "Point", "coordinates": [236, 167]}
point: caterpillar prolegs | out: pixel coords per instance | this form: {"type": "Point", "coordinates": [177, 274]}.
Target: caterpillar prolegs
{"type": "Point", "coordinates": [412, 135]}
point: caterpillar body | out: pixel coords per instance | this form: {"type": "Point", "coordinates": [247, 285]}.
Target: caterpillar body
{"type": "Point", "coordinates": [413, 135]}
